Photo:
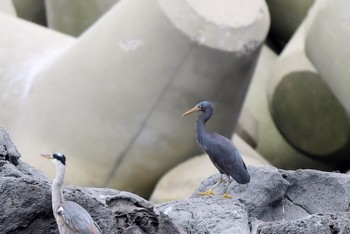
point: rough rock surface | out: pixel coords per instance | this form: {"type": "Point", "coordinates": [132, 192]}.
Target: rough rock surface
{"type": "Point", "coordinates": [275, 201]}
{"type": "Point", "coordinates": [208, 215]}
{"type": "Point", "coordinates": [25, 202]}
{"type": "Point", "coordinates": [326, 223]}
{"type": "Point", "coordinates": [8, 150]}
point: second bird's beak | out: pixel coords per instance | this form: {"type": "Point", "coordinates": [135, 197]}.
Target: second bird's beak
{"type": "Point", "coordinates": [47, 156]}
{"type": "Point", "coordinates": [194, 109]}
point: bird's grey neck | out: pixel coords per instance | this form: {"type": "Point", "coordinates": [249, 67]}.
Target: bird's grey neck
{"type": "Point", "coordinates": [57, 196]}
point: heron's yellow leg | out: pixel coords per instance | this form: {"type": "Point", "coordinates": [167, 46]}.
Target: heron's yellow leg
{"type": "Point", "coordinates": [211, 191]}
{"type": "Point", "coordinates": [226, 195]}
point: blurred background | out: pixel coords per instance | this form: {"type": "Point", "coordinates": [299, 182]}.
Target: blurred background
{"type": "Point", "coordinates": [105, 82]}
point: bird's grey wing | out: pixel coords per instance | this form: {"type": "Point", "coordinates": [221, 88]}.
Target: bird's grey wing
{"type": "Point", "coordinates": [97, 227]}
{"type": "Point", "coordinates": [228, 158]}
{"type": "Point", "coordinates": [77, 218]}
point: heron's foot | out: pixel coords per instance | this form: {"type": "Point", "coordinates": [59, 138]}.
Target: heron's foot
{"type": "Point", "coordinates": [226, 195]}
{"type": "Point", "coordinates": [209, 192]}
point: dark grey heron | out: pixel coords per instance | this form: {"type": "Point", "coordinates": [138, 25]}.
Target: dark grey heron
{"type": "Point", "coordinates": [221, 151]}
{"type": "Point", "coordinates": [70, 217]}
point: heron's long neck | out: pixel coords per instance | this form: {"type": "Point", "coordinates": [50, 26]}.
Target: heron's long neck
{"type": "Point", "coordinates": [200, 124]}
{"type": "Point", "coordinates": [57, 196]}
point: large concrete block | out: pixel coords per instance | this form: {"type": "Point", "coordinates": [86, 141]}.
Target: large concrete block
{"type": "Point", "coordinates": [74, 17]}
{"type": "Point", "coordinates": [327, 46]}
{"type": "Point", "coordinates": [31, 10]}
{"type": "Point", "coordinates": [26, 50]}
{"type": "Point", "coordinates": [304, 109]}
{"type": "Point", "coordinates": [271, 144]}
{"type": "Point", "coordinates": [248, 127]}
{"type": "Point", "coordinates": [7, 7]}
{"type": "Point", "coordinates": [115, 108]}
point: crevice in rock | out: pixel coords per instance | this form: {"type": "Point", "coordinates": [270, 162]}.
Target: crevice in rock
{"type": "Point", "coordinates": [302, 207]}
{"type": "Point", "coordinates": [334, 229]}
{"type": "Point", "coordinates": [13, 175]}
{"type": "Point", "coordinates": [348, 209]}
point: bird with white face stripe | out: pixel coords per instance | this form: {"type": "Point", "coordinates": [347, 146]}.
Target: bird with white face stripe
{"type": "Point", "coordinates": [70, 217]}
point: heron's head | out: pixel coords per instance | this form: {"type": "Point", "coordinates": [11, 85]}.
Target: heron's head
{"type": "Point", "coordinates": [202, 106]}
{"type": "Point", "coordinates": [55, 157]}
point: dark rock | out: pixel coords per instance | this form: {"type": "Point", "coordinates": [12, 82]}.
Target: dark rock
{"type": "Point", "coordinates": [25, 203]}
{"type": "Point", "coordinates": [275, 201]}
{"type": "Point", "coordinates": [208, 215]}
{"type": "Point", "coordinates": [326, 223]}
{"type": "Point", "coordinates": [8, 150]}
{"type": "Point", "coordinates": [262, 196]}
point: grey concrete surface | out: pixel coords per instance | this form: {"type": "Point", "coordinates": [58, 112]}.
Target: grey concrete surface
{"type": "Point", "coordinates": [121, 101]}
{"type": "Point", "coordinates": [269, 72]}
{"type": "Point", "coordinates": [248, 127]}
{"type": "Point", "coordinates": [26, 50]}
{"type": "Point", "coordinates": [330, 59]}
{"type": "Point", "coordinates": [31, 10]}
{"type": "Point", "coordinates": [74, 17]}
{"type": "Point", "coordinates": [7, 7]}
{"type": "Point", "coordinates": [299, 99]}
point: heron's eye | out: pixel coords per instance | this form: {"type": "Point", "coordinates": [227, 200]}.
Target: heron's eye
{"type": "Point", "coordinates": [60, 211]}
{"type": "Point", "coordinates": [200, 107]}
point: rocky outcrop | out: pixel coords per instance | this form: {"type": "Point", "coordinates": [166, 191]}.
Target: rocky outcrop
{"type": "Point", "coordinates": [25, 202]}
{"type": "Point", "coordinates": [8, 150]}
{"type": "Point", "coordinates": [326, 223]}
{"type": "Point", "coordinates": [275, 201]}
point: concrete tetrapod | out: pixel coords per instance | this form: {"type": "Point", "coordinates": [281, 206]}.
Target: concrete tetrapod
{"type": "Point", "coordinates": [26, 50]}
{"type": "Point", "coordinates": [328, 50]}
{"type": "Point", "coordinates": [304, 109]}
{"type": "Point", "coordinates": [6, 7]}
{"type": "Point", "coordinates": [121, 101]}
{"type": "Point", "coordinates": [270, 143]}
{"type": "Point", "coordinates": [74, 17]}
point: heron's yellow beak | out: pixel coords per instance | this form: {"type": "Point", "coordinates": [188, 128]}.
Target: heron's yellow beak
{"type": "Point", "coordinates": [47, 156]}
{"type": "Point", "coordinates": [194, 109]}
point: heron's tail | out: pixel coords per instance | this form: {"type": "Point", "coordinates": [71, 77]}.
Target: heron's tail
{"type": "Point", "coordinates": [243, 176]}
